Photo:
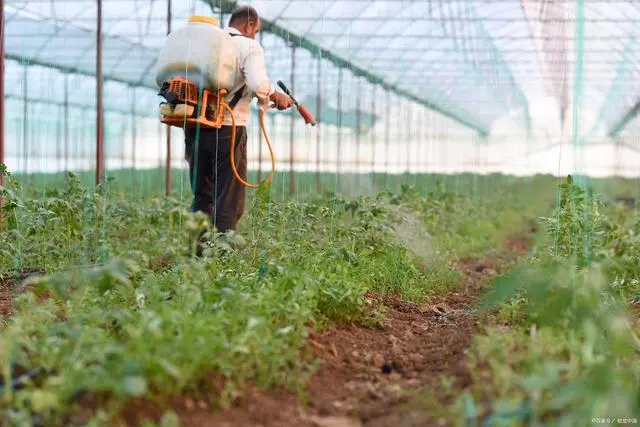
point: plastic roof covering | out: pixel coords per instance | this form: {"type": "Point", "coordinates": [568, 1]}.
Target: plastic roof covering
{"type": "Point", "coordinates": [478, 59]}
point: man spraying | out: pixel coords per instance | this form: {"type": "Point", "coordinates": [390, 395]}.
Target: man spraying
{"type": "Point", "coordinates": [216, 190]}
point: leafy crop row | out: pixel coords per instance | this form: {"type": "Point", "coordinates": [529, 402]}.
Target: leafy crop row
{"type": "Point", "coordinates": [567, 352]}
{"type": "Point", "coordinates": [122, 310]}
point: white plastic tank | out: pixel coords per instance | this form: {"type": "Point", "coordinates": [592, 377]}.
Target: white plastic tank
{"type": "Point", "coordinates": [201, 52]}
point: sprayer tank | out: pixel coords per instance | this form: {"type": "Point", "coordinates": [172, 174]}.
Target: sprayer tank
{"type": "Point", "coordinates": [201, 52]}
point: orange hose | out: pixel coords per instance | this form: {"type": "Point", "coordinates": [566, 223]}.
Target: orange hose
{"type": "Point", "coordinates": [233, 148]}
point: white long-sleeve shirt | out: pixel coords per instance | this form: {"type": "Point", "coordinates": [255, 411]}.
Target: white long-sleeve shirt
{"type": "Point", "coordinates": [252, 73]}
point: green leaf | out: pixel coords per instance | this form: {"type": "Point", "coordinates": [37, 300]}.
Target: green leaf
{"type": "Point", "coordinates": [170, 419]}
{"type": "Point", "coordinates": [253, 322]}
{"type": "Point", "coordinates": [469, 409]}
{"type": "Point", "coordinates": [42, 400]}
{"type": "Point", "coordinates": [171, 369]}
{"type": "Point", "coordinates": [134, 386]}
{"type": "Point", "coordinates": [286, 330]}
{"type": "Point", "coordinates": [568, 394]}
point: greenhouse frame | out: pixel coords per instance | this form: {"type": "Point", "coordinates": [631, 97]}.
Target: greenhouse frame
{"type": "Point", "coordinates": [464, 79]}
{"type": "Point", "coordinates": [431, 221]}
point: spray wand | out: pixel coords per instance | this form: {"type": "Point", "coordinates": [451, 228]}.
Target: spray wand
{"type": "Point", "coordinates": [306, 115]}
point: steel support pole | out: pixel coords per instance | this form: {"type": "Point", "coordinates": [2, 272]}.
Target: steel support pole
{"type": "Point", "coordinates": [134, 136]}
{"type": "Point", "coordinates": [409, 136]}
{"type": "Point", "coordinates": [339, 150]}
{"type": "Point", "coordinates": [99, 99]}
{"type": "Point", "coordinates": [318, 118]}
{"type": "Point", "coordinates": [59, 136]}
{"type": "Point", "coordinates": [66, 123]}
{"type": "Point", "coordinates": [259, 129]}
{"type": "Point", "coordinates": [373, 134]}
{"type": "Point", "coordinates": [25, 119]}
{"type": "Point", "coordinates": [2, 115]}
{"type": "Point", "coordinates": [387, 135]}
{"type": "Point", "coordinates": [168, 161]}
{"type": "Point", "coordinates": [123, 136]}
{"type": "Point", "coordinates": [421, 141]}
{"type": "Point", "coordinates": [425, 140]}
{"type": "Point", "coordinates": [358, 134]}
{"type": "Point", "coordinates": [292, 123]}
{"type": "Point", "coordinates": [399, 137]}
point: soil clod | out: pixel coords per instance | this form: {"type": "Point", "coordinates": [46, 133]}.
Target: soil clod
{"type": "Point", "coordinates": [390, 367]}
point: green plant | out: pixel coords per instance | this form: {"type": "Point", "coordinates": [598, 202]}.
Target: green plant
{"type": "Point", "coordinates": [573, 354]}
{"type": "Point", "coordinates": [121, 310]}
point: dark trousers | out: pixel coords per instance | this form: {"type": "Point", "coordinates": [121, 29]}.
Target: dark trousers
{"type": "Point", "coordinates": [216, 190]}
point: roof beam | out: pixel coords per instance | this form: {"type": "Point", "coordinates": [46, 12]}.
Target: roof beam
{"type": "Point", "coordinates": [83, 106]}
{"type": "Point", "coordinates": [72, 70]}
{"type": "Point", "coordinates": [426, 20]}
{"type": "Point", "coordinates": [305, 43]}
{"type": "Point", "coordinates": [624, 121]}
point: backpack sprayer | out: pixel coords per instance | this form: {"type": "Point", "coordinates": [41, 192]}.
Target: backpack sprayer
{"type": "Point", "coordinates": [210, 63]}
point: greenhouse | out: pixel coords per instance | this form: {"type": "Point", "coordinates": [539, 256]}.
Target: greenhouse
{"type": "Point", "coordinates": [441, 229]}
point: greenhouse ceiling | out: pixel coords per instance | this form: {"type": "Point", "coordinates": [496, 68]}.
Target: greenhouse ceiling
{"type": "Point", "coordinates": [473, 60]}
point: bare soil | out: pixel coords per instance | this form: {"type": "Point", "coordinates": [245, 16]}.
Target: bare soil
{"type": "Point", "coordinates": [374, 377]}
{"type": "Point", "coordinates": [8, 291]}
{"type": "Point", "coordinates": [6, 298]}
{"type": "Point", "coordinates": [518, 245]}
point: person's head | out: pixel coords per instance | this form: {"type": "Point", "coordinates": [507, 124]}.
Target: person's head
{"type": "Point", "coordinates": [246, 20]}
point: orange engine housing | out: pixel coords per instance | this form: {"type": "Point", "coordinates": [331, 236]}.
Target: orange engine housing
{"type": "Point", "coordinates": [208, 113]}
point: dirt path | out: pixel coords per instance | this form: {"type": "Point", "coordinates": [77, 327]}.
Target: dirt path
{"type": "Point", "coordinates": [377, 377]}
{"type": "Point", "coordinates": [367, 376]}
{"type": "Point", "coordinates": [401, 374]}
{"type": "Point", "coordinates": [372, 373]}
{"type": "Point", "coordinates": [8, 292]}
{"type": "Point", "coordinates": [6, 299]}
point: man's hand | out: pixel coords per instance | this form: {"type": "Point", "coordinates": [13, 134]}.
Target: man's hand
{"type": "Point", "coordinates": [281, 100]}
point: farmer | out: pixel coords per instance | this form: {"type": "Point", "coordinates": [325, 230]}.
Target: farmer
{"type": "Point", "coordinates": [216, 190]}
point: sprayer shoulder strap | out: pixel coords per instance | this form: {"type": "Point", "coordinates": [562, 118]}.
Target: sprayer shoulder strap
{"type": "Point", "coordinates": [236, 97]}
